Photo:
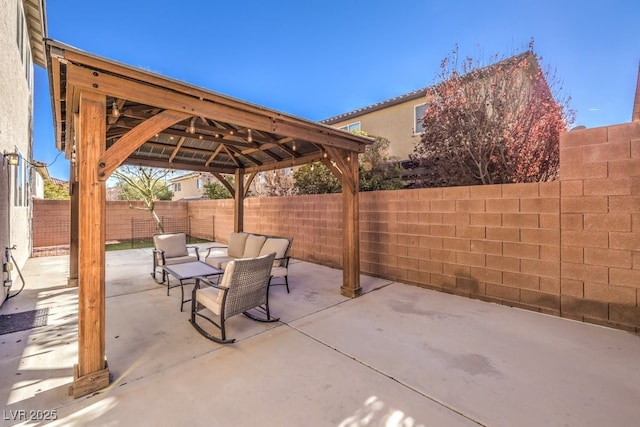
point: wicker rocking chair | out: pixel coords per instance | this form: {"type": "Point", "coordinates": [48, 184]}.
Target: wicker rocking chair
{"type": "Point", "coordinates": [244, 287]}
{"type": "Point", "coordinates": [170, 249]}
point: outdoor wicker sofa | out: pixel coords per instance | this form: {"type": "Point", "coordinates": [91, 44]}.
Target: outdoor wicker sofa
{"type": "Point", "coordinates": [251, 245]}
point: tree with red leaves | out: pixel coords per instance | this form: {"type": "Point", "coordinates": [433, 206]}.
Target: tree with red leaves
{"type": "Point", "coordinates": [497, 124]}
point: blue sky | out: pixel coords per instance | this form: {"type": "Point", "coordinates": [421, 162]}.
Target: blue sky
{"type": "Point", "coordinates": [316, 59]}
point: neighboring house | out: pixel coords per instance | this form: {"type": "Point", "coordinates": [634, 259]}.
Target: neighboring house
{"type": "Point", "coordinates": [113, 193]}
{"type": "Point", "coordinates": [22, 30]}
{"type": "Point", "coordinates": [39, 177]}
{"type": "Point", "coordinates": [397, 119]}
{"type": "Point", "coordinates": [190, 186]}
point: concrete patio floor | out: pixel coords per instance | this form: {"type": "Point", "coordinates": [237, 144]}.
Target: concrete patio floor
{"type": "Point", "coordinates": [396, 356]}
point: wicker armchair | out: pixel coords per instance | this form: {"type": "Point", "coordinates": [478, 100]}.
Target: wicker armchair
{"type": "Point", "coordinates": [244, 287]}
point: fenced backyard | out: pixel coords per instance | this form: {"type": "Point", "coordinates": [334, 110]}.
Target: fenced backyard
{"type": "Point", "coordinates": [569, 248]}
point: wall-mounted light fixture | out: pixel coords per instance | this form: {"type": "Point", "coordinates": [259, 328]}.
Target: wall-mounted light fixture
{"type": "Point", "coordinates": [12, 158]}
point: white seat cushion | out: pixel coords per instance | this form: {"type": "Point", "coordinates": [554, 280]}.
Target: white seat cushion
{"type": "Point", "coordinates": [237, 243]}
{"type": "Point", "coordinates": [279, 246]}
{"type": "Point", "coordinates": [219, 261]}
{"type": "Point", "coordinates": [217, 252]}
{"type": "Point", "coordinates": [173, 245]}
{"type": "Point", "coordinates": [226, 279]}
{"type": "Point", "coordinates": [208, 297]}
{"type": "Point", "coordinates": [253, 246]}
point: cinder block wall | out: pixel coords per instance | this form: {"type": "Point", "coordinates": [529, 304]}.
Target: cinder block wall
{"type": "Point", "coordinates": [499, 243]}
{"type": "Point", "coordinates": [600, 213]}
{"type": "Point", "coordinates": [51, 219]}
{"type": "Point", "coordinates": [212, 219]}
{"type": "Point", "coordinates": [120, 215]}
{"type": "Point", "coordinates": [569, 248]}
{"type": "Point", "coordinates": [315, 223]}
{"type": "Point", "coordinates": [50, 222]}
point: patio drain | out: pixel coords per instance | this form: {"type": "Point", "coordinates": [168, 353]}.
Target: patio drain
{"type": "Point", "coordinates": [23, 320]}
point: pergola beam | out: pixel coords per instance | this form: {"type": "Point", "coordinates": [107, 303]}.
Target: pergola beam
{"type": "Point", "coordinates": [177, 149]}
{"type": "Point", "coordinates": [225, 183]}
{"type": "Point", "coordinates": [118, 152]}
{"type": "Point", "coordinates": [343, 162]}
{"type": "Point", "coordinates": [287, 163]}
{"type": "Point", "coordinates": [87, 79]}
{"type": "Point", "coordinates": [135, 160]}
{"type": "Point", "coordinates": [179, 87]}
{"type": "Point", "coordinates": [214, 154]}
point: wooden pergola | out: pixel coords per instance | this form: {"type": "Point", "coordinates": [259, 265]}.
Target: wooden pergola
{"type": "Point", "coordinates": [107, 114]}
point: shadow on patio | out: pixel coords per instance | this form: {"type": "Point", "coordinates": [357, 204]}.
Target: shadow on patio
{"type": "Point", "coordinates": [397, 355]}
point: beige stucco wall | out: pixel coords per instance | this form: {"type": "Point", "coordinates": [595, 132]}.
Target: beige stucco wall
{"type": "Point", "coordinates": [16, 111]}
{"type": "Point", "coordinates": [396, 123]}
{"type": "Point", "coordinates": [188, 186]}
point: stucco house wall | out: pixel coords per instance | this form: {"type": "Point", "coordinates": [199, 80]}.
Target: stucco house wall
{"type": "Point", "coordinates": [190, 186]}
{"type": "Point", "coordinates": [396, 123]}
{"type": "Point", "coordinates": [16, 118]}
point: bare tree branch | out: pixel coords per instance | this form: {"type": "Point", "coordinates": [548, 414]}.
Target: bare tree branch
{"type": "Point", "coordinates": [144, 184]}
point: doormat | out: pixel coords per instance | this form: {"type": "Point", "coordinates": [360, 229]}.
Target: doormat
{"type": "Point", "coordinates": [22, 321]}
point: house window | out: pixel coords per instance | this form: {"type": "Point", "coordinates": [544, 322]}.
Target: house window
{"type": "Point", "coordinates": [21, 182]}
{"type": "Point", "coordinates": [418, 113]}
{"type": "Point", "coordinates": [20, 31]}
{"type": "Point", "coordinates": [28, 67]}
{"type": "Point", "coordinates": [24, 47]}
{"type": "Point", "coordinates": [199, 183]}
{"type": "Point", "coordinates": [351, 127]}
{"type": "Point", "coordinates": [177, 186]}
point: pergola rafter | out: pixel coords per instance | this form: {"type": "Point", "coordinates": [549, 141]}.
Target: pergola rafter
{"type": "Point", "coordinates": [107, 114]}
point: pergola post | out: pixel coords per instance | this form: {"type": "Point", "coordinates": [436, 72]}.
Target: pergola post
{"type": "Point", "coordinates": [73, 228]}
{"type": "Point", "coordinates": [351, 228]}
{"type": "Point", "coordinates": [91, 372]}
{"type": "Point", "coordinates": [238, 211]}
